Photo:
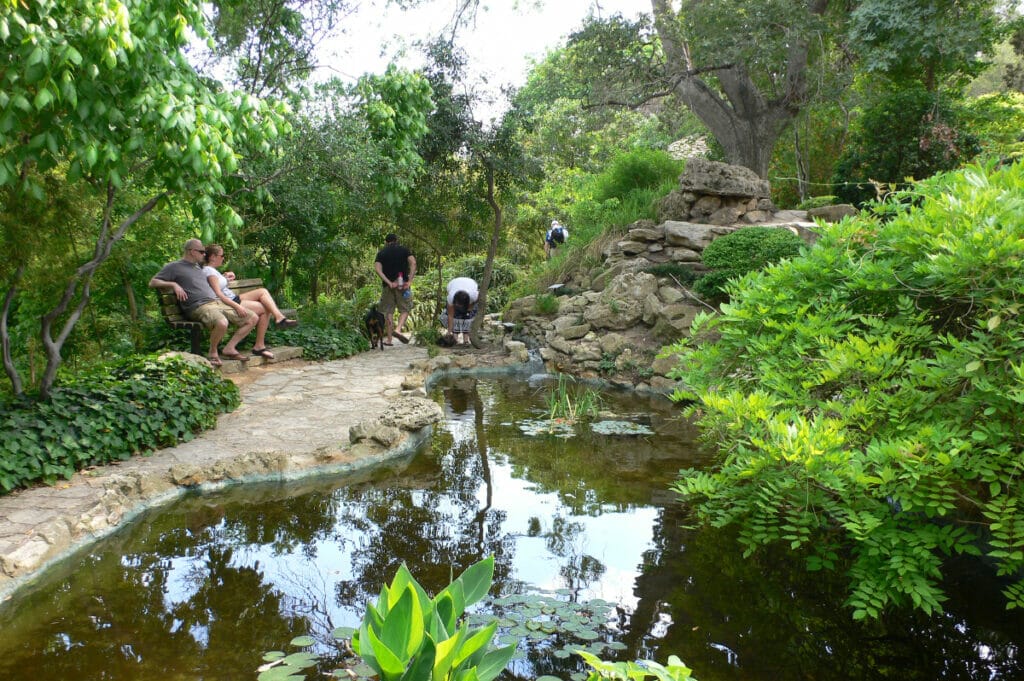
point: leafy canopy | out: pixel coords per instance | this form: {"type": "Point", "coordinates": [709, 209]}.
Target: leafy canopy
{"type": "Point", "coordinates": [866, 396]}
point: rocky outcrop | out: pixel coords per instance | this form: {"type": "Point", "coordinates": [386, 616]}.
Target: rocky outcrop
{"type": "Point", "coordinates": [612, 321]}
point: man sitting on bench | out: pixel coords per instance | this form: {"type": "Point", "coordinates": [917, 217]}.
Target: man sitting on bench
{"type": "Point", "coordinates": [198, 302]}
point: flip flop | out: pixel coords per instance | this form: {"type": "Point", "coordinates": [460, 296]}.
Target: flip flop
{"type": "Point", "coordinates": [287, 323]}
{"type": "Point", "coordinates": [215, 361]}
{"type": "Point", "coordinates": [234, 355]}
{"type": "Point", "coordinates": [401, 337]}
{"type": "Point", "coordinates": [262, 352]}
{"type": "Point", "coordinates": [386, 343]}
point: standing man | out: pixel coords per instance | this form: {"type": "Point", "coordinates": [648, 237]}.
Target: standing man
{"type": "Point", "coordinates": [186, 279]}
{"type": "Point", "coordinates": [554, 236]}
{"type": "Point", "coordinates": [396, 266]}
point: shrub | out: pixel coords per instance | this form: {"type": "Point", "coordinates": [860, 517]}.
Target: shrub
{"type": "Point", "coordinates": [817, 202]}
{"type": "Point", "coordinates": [108, 414]}
{"type": "Point", "coordinates": [634, 170]}
{"type": "Point", "coordinates": [908, 134]}
{"type": "Point", "coordinates": [866, 396]}
{"type": "Point", "coordinates": [745, 250]}
{"type": "Point", "coordinates": [546, 303]}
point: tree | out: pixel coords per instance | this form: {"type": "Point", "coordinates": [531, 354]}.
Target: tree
{"type": "Point", "coordinates": [99, 94]}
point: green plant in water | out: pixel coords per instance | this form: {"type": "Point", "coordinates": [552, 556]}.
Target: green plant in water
{"type": "Point", "coordinates": [408, 636]}
{"type": "Point", "coordinates": [568, 405]}
{"type": "Point", "coordinates": [675, 670]}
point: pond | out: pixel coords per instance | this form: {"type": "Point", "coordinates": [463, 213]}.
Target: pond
{"type": "Point", "coordinates": [200, 589]}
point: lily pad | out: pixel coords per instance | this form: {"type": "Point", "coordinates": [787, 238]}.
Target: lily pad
{"type": "Point", "coordinates": [627, 428]}
{"type": "Point", "coordinates": [343, 632]}
{"type": "Point", "coordinates": [302, 641]}
{"type": "Point", "coordinates": [273, 655]}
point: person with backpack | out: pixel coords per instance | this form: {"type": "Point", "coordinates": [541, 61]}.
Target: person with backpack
{"type": "Point", "coordinates": [556, 235]}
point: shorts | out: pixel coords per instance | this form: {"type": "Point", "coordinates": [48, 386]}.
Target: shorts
{"type": "Point", "coordinates": [207, 314]}
{"type": "Point", "coordinates": [461, 323]}
{"type": "Point", "coordinates": [391, 298]}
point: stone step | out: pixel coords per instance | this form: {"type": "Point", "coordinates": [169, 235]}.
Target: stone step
{"type": "Point", "coordinates": [282, 353]}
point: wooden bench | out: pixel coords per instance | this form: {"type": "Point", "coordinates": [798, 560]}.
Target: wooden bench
{"type": "Point", "coordinates": [173, 315]}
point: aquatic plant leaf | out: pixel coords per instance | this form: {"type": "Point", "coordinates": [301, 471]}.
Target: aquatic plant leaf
{"type": "Point", "coordinates": [548, 677]}
{"type": "Point", "coordinates": [494, 662]}
{"type": "Point", "coordinates": [273, 655]}
{"type": "Point", "coordinates": [403, 628]}
{"type": "Point", "coordinates": [302, 641]}
{"type": "Point", "coordinates": [476, 580]}
{"type": "Point", "coordinates": [343, 632]}
{"type": "Point", "coordinates": [280, 674]}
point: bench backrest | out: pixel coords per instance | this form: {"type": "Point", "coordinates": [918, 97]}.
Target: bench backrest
{"type": "Point", "coordinates": [172, 313]}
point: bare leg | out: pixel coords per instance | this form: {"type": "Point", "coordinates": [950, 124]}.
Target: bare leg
{"type": "Point", "coordinates": [242, 331]}
{"type": "Point", "coordinates": [263, 297]}
{"type": "Point", "coordinates": [401, 321]}
{"type": "Point", "coordinates": [261, 325]}
{"type": "Point", "coordinates": [217, 332]}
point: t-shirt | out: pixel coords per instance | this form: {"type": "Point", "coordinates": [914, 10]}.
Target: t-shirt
{"type": "Point", "coordinates": [463, 284]}
{"type": "Point", "coordinates": [222, 281]}
{"type": "Point", "coordinates": [394, 258]}
{"type": "Point", "coordinates": [189, 276]}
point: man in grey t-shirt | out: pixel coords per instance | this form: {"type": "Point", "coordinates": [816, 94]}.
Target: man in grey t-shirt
{"type": "Point", "coordinates": [198, 302]}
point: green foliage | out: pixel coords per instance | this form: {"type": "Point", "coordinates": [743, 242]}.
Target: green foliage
{"type": "Point", "coordinates": [546, 304]}
{"type": "Point", "coordinates": [675, 670]}
{"type": "Point", "coordinates": [866, 396]}
{"type": "Point", "coordinates": [745, 250]}
{"type": "Point", "coordinates": [909, 133]}
{"type": "Point", "coordinates": [817, 202]}
{"type": "Point", "coordinates": [408, 636]}
{"type": "Point", "coordinates": [678, 271]}
{"type": "Point", "coordinates": [997, 121]}
{"type": "Point", "coordinates": [633, 170]}
{"type": "Point", "coordinates": [568, 403]}
{"type": "Point", "coordinates": [109, 414]}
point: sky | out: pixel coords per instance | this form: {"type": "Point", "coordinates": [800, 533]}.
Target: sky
{"type": "Point", "coordinates": [506, 34]}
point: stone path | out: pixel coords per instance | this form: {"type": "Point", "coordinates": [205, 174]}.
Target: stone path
{"type": "Point", "coordinates": [294, 421]}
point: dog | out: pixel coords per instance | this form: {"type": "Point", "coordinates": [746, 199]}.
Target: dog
{"type": "Point", "coordinates": [375, 328]}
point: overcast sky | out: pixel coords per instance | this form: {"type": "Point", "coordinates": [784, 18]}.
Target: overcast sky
{"type": "Point", "coordinates": [499, 45]}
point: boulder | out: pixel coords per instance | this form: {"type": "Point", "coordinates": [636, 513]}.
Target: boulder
{"type": "Point", "coordinates": [721, 179]}
{"type": "Point", "coordinates": [832, 213]}
{"type": "Point", "coordinates": [692, 235]}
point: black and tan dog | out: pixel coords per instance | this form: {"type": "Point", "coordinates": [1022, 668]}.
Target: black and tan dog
{"type": "Point", "coordinates": [375, 327]}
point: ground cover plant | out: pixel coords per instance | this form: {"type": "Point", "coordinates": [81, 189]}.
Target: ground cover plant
{"type": "Point", "coordinates": [866, 397]}
{"type": "Point", "coordinates": [746, 249]}
{"type": "Point", "coordinates": [109, 413]}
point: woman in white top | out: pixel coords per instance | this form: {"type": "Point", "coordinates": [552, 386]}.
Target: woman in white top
{"type": "Point", "coordinates": [258, 301]}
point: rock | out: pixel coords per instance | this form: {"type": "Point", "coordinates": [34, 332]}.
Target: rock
{"type": "Point", "coordinates": [682, 255]}
{"type": "Point", "coordinates": [726, 215]}
{"type": "Point", "coordinates": [631, 247]}
{"type": "Point", "coordinates": [517, 350]}
{"type": "Point", "coordinates": [670, 295]}
{"type": "Point", "coordinates": [613, 343]}
{"type": "Point", "coordinates": [706, 205]}
{"type": "Point", "coordinates": [754, 216]}
{"type": "Point", "coordinates": [722, 179]}
{"type": "Point", "coordinates": [692, 235]}
{"type": "Point", "coordinates": [832, 213]}
{"type": "Point", "coordinates": [663, 365]}
{"type": "Point", "coordinates": [411, 413]}
{"type": "Point", "coordinates": [647, 234]}
{"type": "Point", "coordinates": [574, 332]}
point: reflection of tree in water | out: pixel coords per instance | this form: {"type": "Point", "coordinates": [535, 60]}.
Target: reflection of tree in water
{"type": "Point", "coordinates": [440, 528]}
{"type": "Point", "coordinates": [768, 617]}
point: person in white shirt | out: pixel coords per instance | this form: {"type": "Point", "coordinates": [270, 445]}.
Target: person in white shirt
{"type": "Point", "coordinates": [554, 236]}
{"type": "Point", "coordinates": [457, 318]}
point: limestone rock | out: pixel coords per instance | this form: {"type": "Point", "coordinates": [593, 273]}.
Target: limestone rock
{"type": "Point", "coordinates": [673, 206]}
{"type": "Point", "coordinates": [411, 413]}
{"type": "Point", "coordinates": [711, 177]}
{"type": "Point", "coordinates": [832, 213]}
{"type": "Point", "coordinates": [692, 235]}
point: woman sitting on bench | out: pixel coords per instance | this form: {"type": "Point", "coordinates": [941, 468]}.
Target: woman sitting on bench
{"type": "Point", "coordinates": [258, 301]}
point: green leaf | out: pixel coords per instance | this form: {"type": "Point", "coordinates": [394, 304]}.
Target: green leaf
{"type": "Point", "coordinates": [403, 628]}
{"type": "Point", "coordinates": [476, 580]}
{"type": "Point", "coordinates": [302, 641]}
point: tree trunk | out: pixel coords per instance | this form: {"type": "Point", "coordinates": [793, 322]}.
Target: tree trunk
{"type": "Point", "coordinates": [492, 250]}
{"type": "Point", "coordinates": [78, 286]}
{"type": "Point", "coordinates": [5, 337]}
{"type": "Point", "coordinates": [740, 117]}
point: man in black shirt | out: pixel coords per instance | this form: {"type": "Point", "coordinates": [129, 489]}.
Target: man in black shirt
{"type": "Point", "coordinates": [396, 266]}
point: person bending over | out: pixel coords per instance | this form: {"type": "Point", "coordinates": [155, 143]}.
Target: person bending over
{"type": "Point", "coordinates": [457, 318]}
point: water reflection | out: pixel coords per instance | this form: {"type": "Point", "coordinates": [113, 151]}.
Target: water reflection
{"type": "Point", "coordinates": [201, 589]}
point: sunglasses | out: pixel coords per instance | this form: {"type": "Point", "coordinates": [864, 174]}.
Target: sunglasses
{"type": "Point", "coordinates": [199, 250]}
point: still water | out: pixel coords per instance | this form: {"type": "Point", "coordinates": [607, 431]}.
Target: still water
{"type": "Point", "coordinates": [201, 589]}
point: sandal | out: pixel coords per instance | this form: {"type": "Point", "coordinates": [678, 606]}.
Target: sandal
{"type": "Point", "coordinates": [262, 352]}
{"type": "Point", "coordinates": [287, 323]}
{"type": "Point", "coordinates": [402, 338]}
{"type": "Point", "coordinates": [386, 343]}
{"type": "Point", "coordinates": [234, 355]}
{"type": "Point", "coordinates": [214, 361]}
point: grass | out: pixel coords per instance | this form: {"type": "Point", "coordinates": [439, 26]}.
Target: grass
{"type": "Point", "coordinates": [569, 403]}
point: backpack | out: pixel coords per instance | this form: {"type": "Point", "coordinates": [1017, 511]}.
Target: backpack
{"type": "Point", "coordinates": [558, 235]}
